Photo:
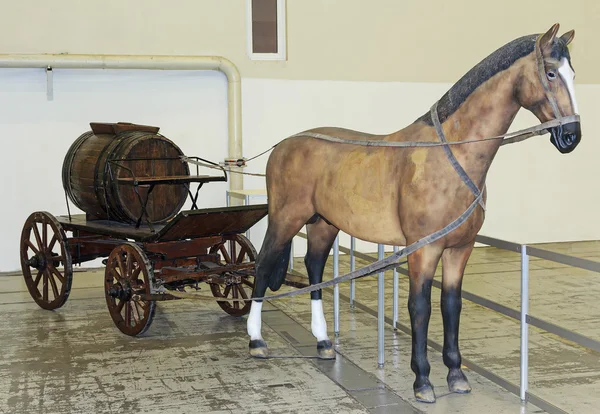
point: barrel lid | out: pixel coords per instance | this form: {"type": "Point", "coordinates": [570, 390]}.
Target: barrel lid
{"type": "Point", "coordinates": [117, 128]}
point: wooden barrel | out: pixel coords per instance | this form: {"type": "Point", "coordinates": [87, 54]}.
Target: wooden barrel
{"type": "Point", "coordinates": [100, 157]}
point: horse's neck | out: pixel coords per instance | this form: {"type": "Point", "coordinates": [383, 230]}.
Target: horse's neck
{"type": "Point", "coordinates": [488, 111]}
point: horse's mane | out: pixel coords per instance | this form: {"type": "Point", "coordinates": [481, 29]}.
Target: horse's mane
{"type": "Point", "coordinates": [498, 61]}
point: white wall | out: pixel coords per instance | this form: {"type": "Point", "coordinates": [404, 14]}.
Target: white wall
{"type": "Point", "coordinates": [535, 193]}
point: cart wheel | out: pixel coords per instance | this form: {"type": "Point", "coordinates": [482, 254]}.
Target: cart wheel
{"type": "Point", "coordinates": [237, 249]}
{"type": "Point", "coordinates": [45, 258]}
{"type": "Point", "coordinates": [128, 272]}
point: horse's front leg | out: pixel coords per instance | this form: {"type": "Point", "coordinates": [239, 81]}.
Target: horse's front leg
{"type": "Point", "coordinates": [454, 262]}
{"type": "Point", "coordinates": [421, 268]}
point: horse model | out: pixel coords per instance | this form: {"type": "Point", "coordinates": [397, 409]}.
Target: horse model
{"type": "Point", "coordinates": [396, 196]}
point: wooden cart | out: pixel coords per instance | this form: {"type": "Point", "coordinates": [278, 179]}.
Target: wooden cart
{"type": "Point", "coordinates": [145, 258]}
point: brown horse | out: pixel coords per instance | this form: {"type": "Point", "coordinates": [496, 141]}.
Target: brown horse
{"type": "Point", "coordinates": [396, 196]}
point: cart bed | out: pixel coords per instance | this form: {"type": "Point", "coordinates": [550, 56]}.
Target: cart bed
{"type": "Point", "coordinates": [188, 224]}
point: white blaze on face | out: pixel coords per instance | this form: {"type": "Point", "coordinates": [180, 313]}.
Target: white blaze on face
{"type": "Point", "coordinates": [567, 74]}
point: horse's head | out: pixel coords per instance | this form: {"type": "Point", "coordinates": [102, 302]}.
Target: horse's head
{"type": "Point", "coordinates": [547, 87]}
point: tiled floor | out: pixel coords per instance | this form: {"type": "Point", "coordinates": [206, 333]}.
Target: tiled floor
{"type": "Point", "coordinates": [194, 357]}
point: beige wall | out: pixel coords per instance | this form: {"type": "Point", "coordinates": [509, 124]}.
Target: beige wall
{"type": "Point", "coordinates": [413, 41]}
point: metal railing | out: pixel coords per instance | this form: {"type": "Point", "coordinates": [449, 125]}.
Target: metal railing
{"type": "Point", "coordinates": [522, 315]}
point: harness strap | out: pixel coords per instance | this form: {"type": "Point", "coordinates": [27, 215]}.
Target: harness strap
{"type": "Point", "coordinates": [453, 161]}
{"type": "Point", "coordinates": [390, 262]}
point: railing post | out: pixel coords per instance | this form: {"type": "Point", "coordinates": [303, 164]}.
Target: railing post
{"type": "Point", "coordinates": [395, 299]}
{"type": "Point", "coordinates": [336, 288]}
{"type": "Point", "coordinates": [352, 268]}
{"type": "Point", "coordinates": [524, 324]}
{"type": "Point", "coordinates": [380, 312]}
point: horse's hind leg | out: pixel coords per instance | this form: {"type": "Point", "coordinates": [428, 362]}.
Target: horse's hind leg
{"type": "Point", "coordinates": [271, 266]}
{"type": "Point", "coordinates": [321, 236]}
{"type": "Point", "coordinates": [421, 269]}
{"type": "Point", "coordinates": [454, 261]}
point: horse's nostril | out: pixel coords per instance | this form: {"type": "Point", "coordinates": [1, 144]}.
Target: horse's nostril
{"type": "Point", "coordinates": [569, 138]}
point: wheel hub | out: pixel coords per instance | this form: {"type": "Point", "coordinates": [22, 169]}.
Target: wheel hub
{"type": "Point", "coordinates": [38, 261]}
{"type": "Point", "coordinates": [120, 292]}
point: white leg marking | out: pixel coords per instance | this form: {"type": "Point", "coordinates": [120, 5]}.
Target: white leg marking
{"type": "Point", "coordinates": [568, 75]}
{"type": "Point", "coordinates": [254, 324]}
{"type": "Point", "coordinates": [318, 324]}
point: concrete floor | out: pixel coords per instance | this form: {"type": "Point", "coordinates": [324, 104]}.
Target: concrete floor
{"type": "Point", "coordinates": [194, 357]}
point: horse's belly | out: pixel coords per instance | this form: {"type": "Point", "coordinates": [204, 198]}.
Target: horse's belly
{"type": "Point", "coordinates": [377, 230]}
{"type": "Point", "coordinates": [373, 218]}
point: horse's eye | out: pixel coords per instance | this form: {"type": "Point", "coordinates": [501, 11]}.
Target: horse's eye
{"type": "Point", "coordinates": [551, 75]}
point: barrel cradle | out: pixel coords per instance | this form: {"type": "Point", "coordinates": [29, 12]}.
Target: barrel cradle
{"type": "Point", "coordinates": [99, 161]}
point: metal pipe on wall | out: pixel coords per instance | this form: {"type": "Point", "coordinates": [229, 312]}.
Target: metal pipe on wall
{"type": "Point", "coordinates": [150, 62]}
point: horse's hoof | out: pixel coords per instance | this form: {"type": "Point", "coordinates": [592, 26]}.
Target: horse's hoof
{"type": "Point", "coordinates": [425, 393]}
{"type": "Point", "coordinates": [325, 349]}
{"type": "Point", "coordinates": [258, 349]}
{"type": "Point", "coordinates": [457, 382]}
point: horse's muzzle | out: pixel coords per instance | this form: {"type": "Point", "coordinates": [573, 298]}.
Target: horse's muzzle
{"type": "Point", "coordinates": [566, 137]}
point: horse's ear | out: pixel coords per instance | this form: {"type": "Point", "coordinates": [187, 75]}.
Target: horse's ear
{"type": "Point", "coordinates": [548, 38]}
{"type": "Point", "coordinates": [568, 37]}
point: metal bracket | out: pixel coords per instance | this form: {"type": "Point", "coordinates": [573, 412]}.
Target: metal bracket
{"type": "Point", "coordinates": [49, 84]}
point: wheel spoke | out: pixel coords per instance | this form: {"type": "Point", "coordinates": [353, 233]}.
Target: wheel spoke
{"type": "Point", "coordinates": [121, 265]}
{"type": "Point", "coordinates": [120, 306]}
{"type": "Point", "coordinates": [53, 284]}
{"type": "Point", "coordinates": [45, 286]}
{"type": "Point", "coordinates": [247, 282]}
{"type": "Point", "coordinates": [116, 276]}
{"type": "Point", "coordinates": [53, 241]}
{"type": "Point", "coordinates": [36, 233]}
{"type": "Point", "coordinates": [31, 246]}
{"type": "Point", "coordinates": [36, 282]}
{"type": "Point", "coordinates": [226, 291]}
{"type": "Point", "coordinates": [57, 274]}
{"type": "Point", "coordinates": [135, 312]}
{"type": "Point", "coordinates": [236, 304]}
{"type": "Point", "coordinates": [136, 273]}
{"type": "Point", "coordinates": [241, 256]}
{"type": "Point", "coordinates": [225, 253]}
{"type": "Point", "coordinates": [129, 264]}
{"type": "Point", "coordinates": [232, 248]}
{"type": "Point", "coordinates": [44, 232]}
{"type": "Point", "coordinates": [242, 291]}
{"type": "Point", "coordinates": [128, 314]}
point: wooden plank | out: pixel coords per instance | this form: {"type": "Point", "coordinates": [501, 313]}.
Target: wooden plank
{"type": "Point", "coordinates": [182, 248]}
{"type": "Point", "coordinates": [108, 228]}
{"type": "Point", "coordinates": [213, 222]}
{"type": "Point", "coordinates": [192, 224]}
